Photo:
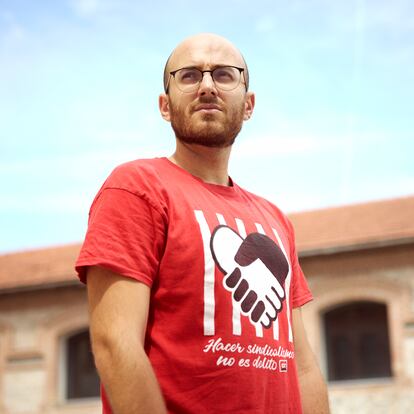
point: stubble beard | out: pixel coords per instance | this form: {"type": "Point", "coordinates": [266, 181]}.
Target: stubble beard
{"type": "Point", "coordinates": [211, 130]}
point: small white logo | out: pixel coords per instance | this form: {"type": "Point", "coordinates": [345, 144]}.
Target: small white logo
{"type": "Point", "coordinates": [283, 365]}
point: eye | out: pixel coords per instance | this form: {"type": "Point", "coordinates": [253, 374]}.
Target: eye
{"type": "Point", "coordinates": [225, 75]}
{"type": "Point", "coordinates": [188, 76]}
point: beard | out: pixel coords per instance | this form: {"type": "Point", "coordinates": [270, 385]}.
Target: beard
{"type": "Point", "coordinates": [216, 130]}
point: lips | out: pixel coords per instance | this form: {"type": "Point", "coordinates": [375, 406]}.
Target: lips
{"type": "Point", "coordinates": [207, 107]}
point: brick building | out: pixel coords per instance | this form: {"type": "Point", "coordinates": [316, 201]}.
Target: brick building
{"type": "Point", "coordinates": [359, 261]}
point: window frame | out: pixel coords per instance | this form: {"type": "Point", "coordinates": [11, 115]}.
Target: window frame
{"type": "Point", "coordinates": [331, 292]}
{"type": "Point", "coordinates": [356, 361]}
{"type": "Point", "coordinates": [63, 373]}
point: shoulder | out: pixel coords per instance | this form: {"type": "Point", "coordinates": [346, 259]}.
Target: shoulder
{"type": "Point", "coordinates": [142, 178]}
{"type": "Point", "coordinates": [269, 207]}
{"type": "Point", "coordinates": [130, 174]}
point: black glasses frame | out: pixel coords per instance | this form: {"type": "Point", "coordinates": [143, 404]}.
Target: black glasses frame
{"type": "Point", "coordinates": [241, 71]}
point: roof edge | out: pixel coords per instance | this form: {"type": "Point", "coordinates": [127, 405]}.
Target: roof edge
{"type": "Point", "coordinates": [325, 251]}
{"type": "Point", "coordinates": [37, 287]}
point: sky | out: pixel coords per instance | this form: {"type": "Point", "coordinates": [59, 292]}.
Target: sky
{"type": "Point", "coordinates": [80, 79]}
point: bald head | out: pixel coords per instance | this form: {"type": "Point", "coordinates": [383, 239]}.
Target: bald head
{"type": "Point", "coordinates": [204, 48]}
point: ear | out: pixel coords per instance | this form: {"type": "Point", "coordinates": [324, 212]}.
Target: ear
{"type": "Point", "coordinates": [249, 105]}
{"type": "Point", "coordinates": [164, 106]}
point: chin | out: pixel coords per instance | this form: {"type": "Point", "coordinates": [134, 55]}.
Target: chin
{"type": "Point", "coordinates": [209, 143]}
{"type": "Point", "coordinates": [208, 138]}
{"type": "Point", "coordinates": [212, 133]}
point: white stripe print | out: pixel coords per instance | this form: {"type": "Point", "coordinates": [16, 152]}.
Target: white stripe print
{"type": "Point", "coordinates": [260, 230]}
{"type": "Point", "coordinates": [287, 284]}
{"type": "Point", "coordinates": [209, 280]}
{"type": "Point", "coordinates": [236, 317]}
{"type": "Point", "coordinates": [209, 268]}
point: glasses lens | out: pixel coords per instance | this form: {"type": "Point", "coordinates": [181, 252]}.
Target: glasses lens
{"type": "Point", "coordinates": [188, 78]}
{"type": "Point", "coordinates": [226, 77]}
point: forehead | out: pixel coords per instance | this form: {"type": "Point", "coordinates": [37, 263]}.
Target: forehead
{"type": "Point", "coordinates": [205, 53]}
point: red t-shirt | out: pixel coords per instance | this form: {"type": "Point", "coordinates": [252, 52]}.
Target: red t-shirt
{"type": "Point", "coordinates": [224, 274]}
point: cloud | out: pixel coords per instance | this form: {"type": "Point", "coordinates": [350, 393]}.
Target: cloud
{"type": "Point", "coordinates": [83, 175]}
{"type": "Point", "coordinates": [369, 188]}
{"type": "Point", "coordinates": [13, 33]}
{"type": "Point", "coordinates": [265, 25]}
{"type": "Point", "coordinates": [74, 167]}
{"type": "Point", "coordinates": [371, 15]}
{"type": "Point", "coordinates": [86, 8]}
{"type": "Point", "coordinates": [46, 204]}
{"type": "Point", "coordinates": [89, 9]}
{"type": "Point", "coordinates": [270, 146]}
{"type": "Point", "coordinates": [395, 16]}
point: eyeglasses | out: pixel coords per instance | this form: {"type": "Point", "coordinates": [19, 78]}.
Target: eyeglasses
{"type": "Point", "coordinates": [188, 80]}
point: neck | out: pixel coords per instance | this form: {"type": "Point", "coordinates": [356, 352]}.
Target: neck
{"type": "Point", "coordinates": [209, 164]}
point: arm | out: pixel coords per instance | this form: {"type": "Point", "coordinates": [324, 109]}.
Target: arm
{"type": "Point", "coordinates": [313, 389]}
{"type": "Point", "coordinates": [118, 308]}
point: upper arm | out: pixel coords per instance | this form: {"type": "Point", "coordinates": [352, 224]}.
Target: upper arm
{"type": "Point", "coordinates": [313, 390]}
{"type": "Point", "coordinates": [118, 305]}
{"type": "Point", "coordinates": [305, 358]}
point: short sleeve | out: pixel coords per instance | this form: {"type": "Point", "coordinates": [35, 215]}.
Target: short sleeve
{"type": "Point", "coordinates": [126, 235]}
{"type": "Point", "coordinates": [301, 291]}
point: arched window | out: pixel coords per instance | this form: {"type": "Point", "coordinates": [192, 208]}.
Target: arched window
{"type": "Point", "coordinates": [357, 342]}
{"type": "Point", "coordinates": [81, 378]}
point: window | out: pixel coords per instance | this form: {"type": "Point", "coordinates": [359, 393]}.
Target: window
{"type": "Point", "coordinates": [357, 344]}
{"type": "Point", "coordinates": [82, 380]}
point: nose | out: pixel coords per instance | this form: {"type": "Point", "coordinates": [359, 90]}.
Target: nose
{"type": "Point", "coordinates": [207, 85]}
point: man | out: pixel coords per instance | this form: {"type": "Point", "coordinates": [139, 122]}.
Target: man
{"type": "Point", "coordinates": [194, 285]}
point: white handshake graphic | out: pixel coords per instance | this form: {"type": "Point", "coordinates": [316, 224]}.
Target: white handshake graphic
{"type": "Point", "coordinates": [255, 270]}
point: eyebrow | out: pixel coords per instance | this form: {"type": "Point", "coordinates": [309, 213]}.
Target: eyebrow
{"type": "Point", "coordinates": [199, 67]}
